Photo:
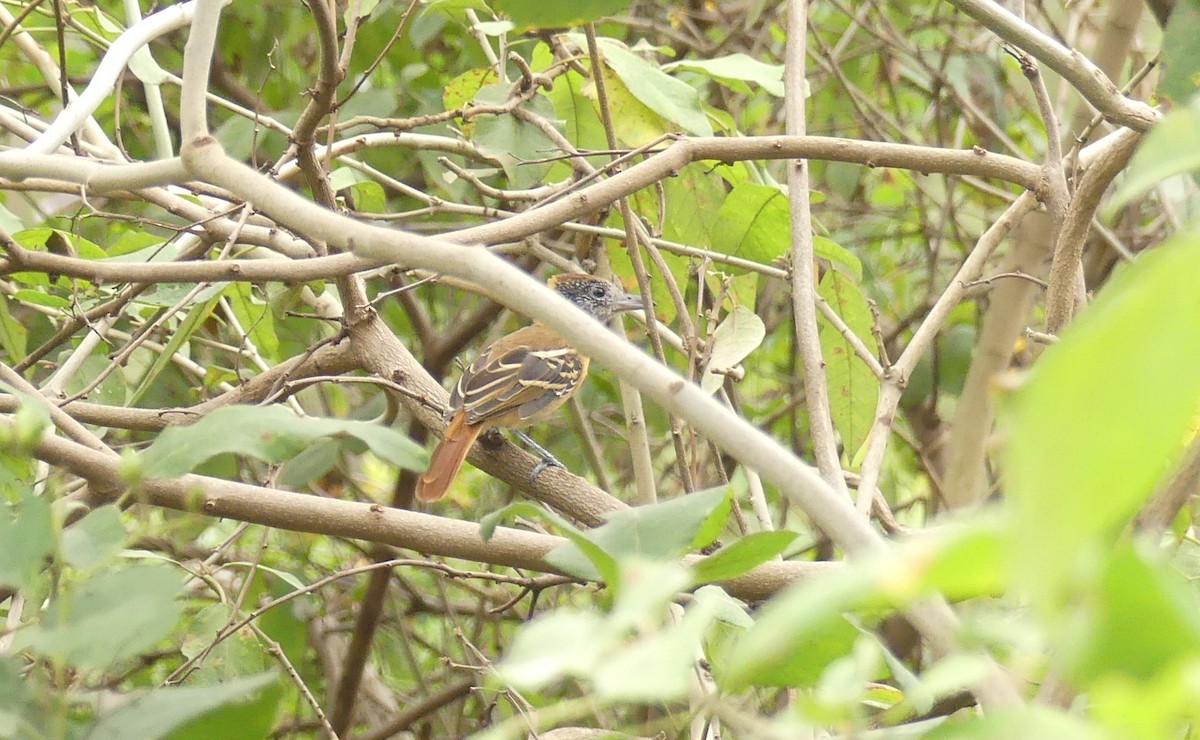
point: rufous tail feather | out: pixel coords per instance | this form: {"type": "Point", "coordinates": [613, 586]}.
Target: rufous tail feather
{"type": "Point", "coordinates": [447, 458]}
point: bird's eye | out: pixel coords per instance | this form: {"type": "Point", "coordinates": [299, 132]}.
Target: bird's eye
{"type": "Point", "coordinates": [599, 291]}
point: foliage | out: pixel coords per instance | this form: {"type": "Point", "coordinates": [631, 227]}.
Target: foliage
{"type": "Point", "coordinates": [203, 471]}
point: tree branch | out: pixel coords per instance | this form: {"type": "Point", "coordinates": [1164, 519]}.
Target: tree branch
{"type": "Point", "coordinates": [804, 281]}
{"type": "Point", "coordinates": [507, 284]}
{"type": "Point", "coordinates": [1072, 66]}
{"type": "Point", "coordinates": [424, 533]}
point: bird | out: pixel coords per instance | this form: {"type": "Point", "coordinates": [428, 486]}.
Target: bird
{"type": "Point", "coordinates": [519, 379]}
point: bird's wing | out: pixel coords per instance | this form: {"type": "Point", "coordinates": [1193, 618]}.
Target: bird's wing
{"type": "Point", "coordinates": [518, 380]}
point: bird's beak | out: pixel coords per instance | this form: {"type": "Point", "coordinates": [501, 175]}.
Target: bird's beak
{"type": "Point", "coordinates": [628, 302]}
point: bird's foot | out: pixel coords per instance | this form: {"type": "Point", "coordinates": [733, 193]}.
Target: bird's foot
{"type": "Point", "coordinates": [547, 460]}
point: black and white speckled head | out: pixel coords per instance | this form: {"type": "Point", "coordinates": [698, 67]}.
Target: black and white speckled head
{"type": "Point", "coordinates": [598, 297]}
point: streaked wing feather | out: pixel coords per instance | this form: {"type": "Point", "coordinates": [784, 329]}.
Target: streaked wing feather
{"type": "Point", "coordinates": [520, 379]}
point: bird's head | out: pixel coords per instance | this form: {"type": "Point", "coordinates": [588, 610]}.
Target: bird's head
{"type": "Point", "coordinates": [598, 297]}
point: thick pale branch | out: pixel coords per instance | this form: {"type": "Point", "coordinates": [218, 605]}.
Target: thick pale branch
{"type": "Point", "coordinates": [94, 175]}
{"type": "Point", "coordinates": [281, 270]}
{"type": "Point", "coordinates": [61, 419]}
{"type": "Point", "coordinates": [197, 59]}
{"type": "Point", "coordinates": [431, 535]}
{"type": "Point", "coordinates": [507, 284]}
{"type": "Point", "coordinates": [104, 79]}
{"type": "Point", "coordinates": [425, 398]}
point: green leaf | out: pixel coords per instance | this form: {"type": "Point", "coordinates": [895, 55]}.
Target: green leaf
{"type": "Point", "coordinates": [1181, 53]}
{"type": "Point", "coordinates": [16, 472]}
{"type": "Point", "coordinates": [658, 531]}
{"type": "Point", "coordinates": [165, 295]}
{"type": "Point", "coordinates": [736, 67]}
{"type": "Point", "coordinates": [84, 248]}
{"type": "Point", "coordinates": [800, 631]}
{"type": "Point", "coordinates": [462, 89]}
{"type": "Point", "coordinates": [514, 142]}
{"type": "Point", "coordinates": [272, 434]}
{"type": "Point", "coordinates": [563, 642]}
{"type": "Point", "coordinates": [1081, 457]}
{"type": "Point", "coordinates": [368, 196]}
{"type": "Point", "coordinates": [694, 197]}
{"type": "Point", "coordinates": [154, 714]}
{"type": "Point", "coordinates": [724, 607]}
{"type": "Point", "coordinates": [582, 126]}
{"type": "Point", "coordinates": [282, 575]}
{"type": "Point", "coordinates": [25, 427]}
{"type": "Point", "coordinates": [38, 298]}
{"type": "Point", "coordinates": [656, 664]}
{"type": "Point", "coordinates": [13, 333]}
{"type": "Point", "coordinates": [583, 558]}
{"type": "Point", "coordinates": [634, 122]}
{"type": "Point", "coordinates": [739, 334]}
{"type": "Point", "coordinates": [963, 561]}
{"type": "Point", "coordinates": [28, 538]}
{"type": "Point", "coordinates": [714, 523]}
{"type": "Point", "coordinates": [132, 242]}
{"type": "Point", "coordinates": [365, 193]}
{"type": "Point", "coordinates": [557, 13]}
{"type": "Point", "coordinates": [15, 697]}
{"type": "Point", "coordinates": [1132, 594]}
{"type": "Point", "coordinates": [255, 318]}
{"type": "Point", "coordinates": [343, 177]}
{"type": "Point", "coordinates": [316, 460]}
{"type": "Point", "coordinates": [110, 391]}
{"type": "Point", "coordinates": [193, 319]}
{"type": "Point", "coordinates": [239, 654]}
{"type": "Point", "coordinates": [754, 223]}
{"type": "Point", "coordinates": [657, 667]}
{"type": "Point", "coordinates": [365, 8]}
{"type": "Point", "coordinates": [93, 540]}
{"type": "Point", "coordinates": [243, 719]}
{"type": "Point", "coordinates": [1171, 148]}
{"type": "Point", "coordinates": [838, 256]}
{"type": "Point", "coordinates": [674, 100]}
{"type": "Point", "coordinates": [647, 588]}
{"type": "Point", "coordinates": [743, 555]}
{"type": "Point", "coordinates": [109, 618]}
{"type": "Point", "coordinates": [456, 9]}
{"type": "Point", "coordinates": [1155, 708]}
{"type": "Point", "coordinates": [36, 279]}
{"type": "Point", "coordinates": [1032, 721]}
{"type": "Point", "coordinates": [662, 531]}
{"type": "Point", "coordinates": [853, 388]}
{"type": "Point", "coordinates": [9, 221]}
{"type": "Point", "coordinates": [59, 242]}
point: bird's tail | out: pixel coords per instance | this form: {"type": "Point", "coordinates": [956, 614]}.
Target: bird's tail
{"type": "Point", "coordinates": [447, 458]}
